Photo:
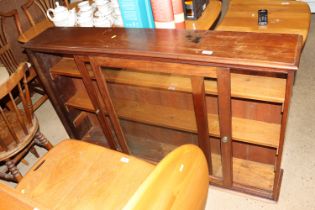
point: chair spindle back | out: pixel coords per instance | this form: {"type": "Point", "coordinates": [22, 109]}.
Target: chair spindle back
{"type": "Point", "coordinates": [17, 121]}
{"type": "Point", "coordinates": [42, 5]}
{"type": "Point", "coordinates": [6, 55]}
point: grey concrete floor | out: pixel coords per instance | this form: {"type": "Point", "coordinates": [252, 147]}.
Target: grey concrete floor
{"type": "Point", "coordinates": [298, 184]}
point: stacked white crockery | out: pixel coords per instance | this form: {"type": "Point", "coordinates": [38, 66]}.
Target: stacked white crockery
{"type": "Point", "coordinates": [61, 16]}
{"type": "Point", "coordinates": [116, 14]}
{"type": "Point", "coordinates": [103, 15]}
{"type": "Point", "coordinates": [85, 14]}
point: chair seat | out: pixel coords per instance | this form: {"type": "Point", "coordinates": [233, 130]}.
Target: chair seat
{"type": "Point", "coordinates": [6, 137]}
{"type": "Point", "coordinates": [78, 175]}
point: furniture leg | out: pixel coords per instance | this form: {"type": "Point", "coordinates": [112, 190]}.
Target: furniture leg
{"type": "Point", "coordinates": [34, 152]}
{"type": "Point", "coordinates": [6, 176]}
{"type": "Point", "coordinates": [25, 162]}
{"type": "Point", "coordinates": [43, 141]}
{"type": "Point", "coordinates": [14, 171]}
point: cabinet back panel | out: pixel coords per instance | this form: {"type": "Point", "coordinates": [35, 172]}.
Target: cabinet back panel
{"type": "Point", "coordinates": [256, 110]}
{"type": "Point", "coordinates": [260, 111]}
{"type": "Point", "coordinates": [152, 96]}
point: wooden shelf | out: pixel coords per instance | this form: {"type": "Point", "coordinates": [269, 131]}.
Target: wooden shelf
{"type": "Point", "coordinates": [244, 130]}
{"type": "Point", "coordinates": [247, 172]}
{"type": "Point", "coordinates": [261, 88]}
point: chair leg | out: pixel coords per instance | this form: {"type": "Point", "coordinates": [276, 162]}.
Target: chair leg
{"type": "Point", "coordinates": [6, 176]}
{"type": "Point", "coordinates": [43, 141]}
{"type": "Point", "coordinates": [25, 162]}
{"type": "Point", "coordinates": [36, 87]}
{"type": "Point", "coordinates": [34, 151]}
{"type": "Point", "coordinates": [13, 170]}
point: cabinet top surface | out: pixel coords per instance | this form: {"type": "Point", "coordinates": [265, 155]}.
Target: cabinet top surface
{"type": "Point", "coordinates": [220, 48]}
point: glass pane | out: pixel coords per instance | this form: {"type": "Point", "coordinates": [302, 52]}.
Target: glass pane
{"type": "Point", "coordinates": [213, 124]}
{"type": "Point", "coordinates": [155, 111]}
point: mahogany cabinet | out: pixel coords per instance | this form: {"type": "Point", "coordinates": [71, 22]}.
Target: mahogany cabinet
{"type": "Point", "coordinates": [146, 92]}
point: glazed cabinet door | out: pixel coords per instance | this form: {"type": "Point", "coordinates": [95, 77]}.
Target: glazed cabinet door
{"type": "Point", "coordinates": [150, 112]}
{"type": "Point", "coordinates": [225, 123]}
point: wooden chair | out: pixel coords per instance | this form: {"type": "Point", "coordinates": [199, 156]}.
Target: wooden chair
{"type": "Point", "coordinates": [9, 61]}
{"type": "Point", "coordinates": [19, 127]}
{"type": "Point", "coordinates": [39, 5]}
{"type": "Point", "coordinates": [79, 175]}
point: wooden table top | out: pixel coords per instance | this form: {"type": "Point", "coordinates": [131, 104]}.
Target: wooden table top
{"type": "Point", "coordinates": [287, 17]}
{"type": "Point", "coordinates": [215, 48]}
{"type": "Point", "coordinates": [78, 175]}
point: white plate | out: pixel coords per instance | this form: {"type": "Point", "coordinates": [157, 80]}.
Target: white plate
{"type": "Point", "coordinates": [104, 12]}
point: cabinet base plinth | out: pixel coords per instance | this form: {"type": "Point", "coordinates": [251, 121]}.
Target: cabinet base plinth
{"type": "Point", "coordinates": [272, 195]}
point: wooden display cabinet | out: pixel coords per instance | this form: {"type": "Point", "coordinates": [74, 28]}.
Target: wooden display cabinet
{"type": "Point", "coordinates": [145, 92]}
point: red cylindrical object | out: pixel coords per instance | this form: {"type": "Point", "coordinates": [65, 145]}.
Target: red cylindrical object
{"type": "Point", "coordinates": [163, 13]}
{"type": "Point", "coordinates": [179, 16]}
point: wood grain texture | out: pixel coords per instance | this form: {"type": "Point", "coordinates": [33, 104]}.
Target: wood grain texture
{"type": "Point", "coordinates": [153, 143]}
{"type": "Point", "coordinates": [246, 86]}
{"type": "Point", "coordinates": [254, 58]}
{"type": "Point", "coordinates": [225, 124]}
{"type": "Point", "coordinates": [251, 131]}
{"type": "Point", "coordinates": [158, 66]}
{"type": "Point", "coordinates": [95, 102]}
{"type": "Point", "coordinates": [284, 17]}
{"type": "Point", "coordinates": [230, 49]}
{"type": "Point", "coordinates": [39, 6]}
{"type": "Point", "coordinates": [41, 62]}
{"type": "Point", "coordinates": [284, 120]}
{"type": "Point", "coordinates": [11, 199]}
{"type": "Point", "coordinates": [170, 186]}
{"type": "Point", "coordinates": [118, 181]}
{"type": "Point", "coordinates": [19, 127]}
{"type": "Point", "coordinates": [35, 30]}
{"type": "Point", "coordinates": [201, 118]}
{"type": "Point", "coordinates": [106, 99]}
{"type": "Point", "coordinates": [248, 173]}
{"type": "Point", "coordinates": [10, 147]}
{"type": "Point", "coordinates": [78, 175]}
{"type": "Point", "coordinates": [8, 53]}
